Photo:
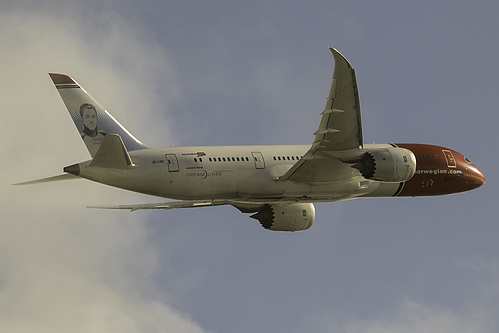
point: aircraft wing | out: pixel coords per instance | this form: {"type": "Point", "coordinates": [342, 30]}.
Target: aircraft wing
{"type": "Point", "coordinates": [340, 129]}
{"type": "Point", "coordinates": [164, 205]}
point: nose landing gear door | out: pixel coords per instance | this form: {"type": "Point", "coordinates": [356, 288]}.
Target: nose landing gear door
{"type": "Point", "coordinates": [171, 160]}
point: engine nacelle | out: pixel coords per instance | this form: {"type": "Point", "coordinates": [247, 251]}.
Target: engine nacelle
{"type": "Point", "coordinates": [390, 164]}
{"type": "Point", "coordinates": [286, 217]}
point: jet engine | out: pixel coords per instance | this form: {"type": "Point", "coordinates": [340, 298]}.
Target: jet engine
{"type": "Point", "coordinates": [390, 164]}
{"type": "Point", "coordinates": [286, 217]}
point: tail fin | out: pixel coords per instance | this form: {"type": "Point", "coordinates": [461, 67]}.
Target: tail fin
{"type": "Point", "coordinates": [91, 119]}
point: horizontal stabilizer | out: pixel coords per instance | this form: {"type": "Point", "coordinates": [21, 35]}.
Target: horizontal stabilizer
{"type": "Point", "coordinates": [49, 179]}
{"type": "Point", "coordinates": [112, 154]}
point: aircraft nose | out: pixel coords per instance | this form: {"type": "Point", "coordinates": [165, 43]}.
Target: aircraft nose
{"type": "Point", "coordinates": [474, 177]}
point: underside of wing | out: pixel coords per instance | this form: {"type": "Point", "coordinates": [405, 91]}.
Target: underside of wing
{"type": "Point", "coordinates": [243, 206]}
{"type": "Point", "coordinates": [319, 168]}
{"type": "Point", "coordinates": [340, 129]}
{"type": "Point", "coordinates": [163, 205]}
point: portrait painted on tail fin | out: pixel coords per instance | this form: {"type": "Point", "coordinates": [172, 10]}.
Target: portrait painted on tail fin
{"type": "Point", "coordinates": [91, 135]}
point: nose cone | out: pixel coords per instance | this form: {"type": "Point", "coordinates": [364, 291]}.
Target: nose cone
{"type": "Point", "coordinates": [474, 178]}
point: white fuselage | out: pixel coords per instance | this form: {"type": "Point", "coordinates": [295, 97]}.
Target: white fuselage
{"type": "Point", "coordinates": [246, 173]}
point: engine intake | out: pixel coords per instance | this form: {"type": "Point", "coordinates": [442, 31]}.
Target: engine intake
{"type": "Point", "coordinates": [286, 217]}
{"type": "Point", "coordinates": [391, 164]}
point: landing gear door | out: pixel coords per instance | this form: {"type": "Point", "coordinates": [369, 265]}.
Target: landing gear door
{"type": "Point", "coordinates": [259, 161]}
{"type": "Point", "coordinates": [171, 160]}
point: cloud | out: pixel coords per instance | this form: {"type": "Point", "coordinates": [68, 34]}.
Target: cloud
{"type": "Point", "coordinates": [476, 312]}
{"type": "Point", "coordinates": [67, 268]}
{"type": "Point", "coordinates": [411, 317]}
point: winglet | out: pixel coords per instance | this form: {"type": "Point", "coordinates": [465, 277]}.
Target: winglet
{"type": "Point", "coordinates": [112, 154]}
{"type": "Point", "coordinates": [338, 56]}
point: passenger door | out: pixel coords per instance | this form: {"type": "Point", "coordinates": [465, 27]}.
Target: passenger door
{"type": "Point", "coordinates": [259, 161]}
{"type": "Point", "coordinates": [171, 160]}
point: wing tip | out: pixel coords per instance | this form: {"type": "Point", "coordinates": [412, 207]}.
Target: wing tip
{"type": "Point", "coordinates": [337, 55]}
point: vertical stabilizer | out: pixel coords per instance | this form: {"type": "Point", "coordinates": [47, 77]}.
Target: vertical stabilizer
{"type": "Point", "coordinates": [91, 119]}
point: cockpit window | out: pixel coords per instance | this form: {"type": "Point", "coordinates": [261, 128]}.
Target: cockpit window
{"type": "Point", "coordinates": [467, 160]}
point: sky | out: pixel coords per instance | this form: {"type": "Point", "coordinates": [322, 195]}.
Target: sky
{"type": "Point", "coordinates": [188, 73]}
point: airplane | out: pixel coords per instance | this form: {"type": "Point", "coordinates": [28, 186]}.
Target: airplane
{"type": "Point", "coordinates": [277, 184]}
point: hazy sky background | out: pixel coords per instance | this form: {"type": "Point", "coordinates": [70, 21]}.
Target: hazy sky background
{"type": "Point", "coordinates": [252, 72]}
